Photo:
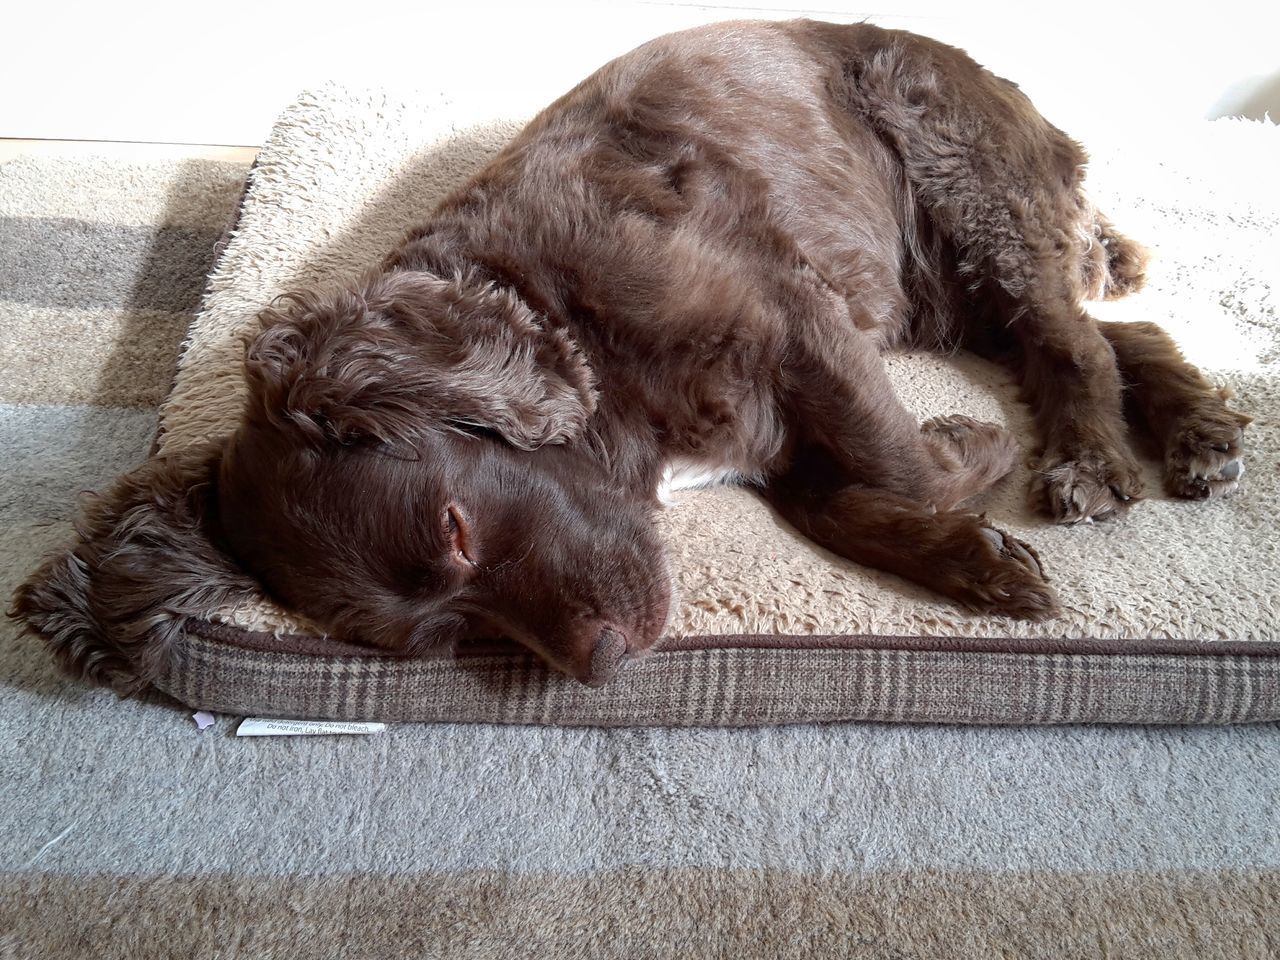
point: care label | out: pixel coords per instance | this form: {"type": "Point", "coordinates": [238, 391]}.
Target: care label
{"type": "Point", "coordinates": [265, 727]}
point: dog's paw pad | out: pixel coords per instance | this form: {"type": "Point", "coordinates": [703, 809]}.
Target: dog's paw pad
{"type": "Point", "coordinates": [1015, 549]}
{"type": "Point", "coordinates": [1086, 489]}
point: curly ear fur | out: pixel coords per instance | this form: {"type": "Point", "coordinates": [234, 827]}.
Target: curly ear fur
{"type": "Point", "coordinates": [141, 565]}
{"type": "Point", "coordinates": [407, 351]}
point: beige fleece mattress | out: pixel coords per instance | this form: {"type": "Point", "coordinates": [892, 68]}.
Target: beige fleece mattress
{"type": "Point", "coordinates": [1168, 615]}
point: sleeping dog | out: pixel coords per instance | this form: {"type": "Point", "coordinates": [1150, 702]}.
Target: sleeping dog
{"type": "Point", "coordinates": [683, 272]}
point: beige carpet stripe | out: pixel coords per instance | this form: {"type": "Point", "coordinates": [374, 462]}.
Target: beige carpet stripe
{"type": "Point", "coordinates": [119, 358]}
{"type": "Point", "coordinates": [655, 914]}
{"type": "Point", "coordinates": [192, 193]}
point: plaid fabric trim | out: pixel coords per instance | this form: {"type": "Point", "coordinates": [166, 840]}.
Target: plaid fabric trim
{"type": "Point", "coordinates": [735, 687]}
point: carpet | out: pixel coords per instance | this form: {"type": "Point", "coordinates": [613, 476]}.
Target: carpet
{"type": "Point", "coordinates": [1169, 615]}
{"type": "Point", "coordinates": [127, 833]}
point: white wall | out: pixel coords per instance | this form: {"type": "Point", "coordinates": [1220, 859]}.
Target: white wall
{"type": "Point", "coordinates": [218, 72]}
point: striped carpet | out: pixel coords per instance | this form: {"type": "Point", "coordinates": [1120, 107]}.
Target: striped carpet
{"type": "Point", "coordinates": [125, 832]}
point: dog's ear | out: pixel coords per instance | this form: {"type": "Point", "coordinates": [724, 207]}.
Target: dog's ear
{"type": "Point", "coordinates": [406, 352]}
{"type": "Point", "coordinates": [141, 565]}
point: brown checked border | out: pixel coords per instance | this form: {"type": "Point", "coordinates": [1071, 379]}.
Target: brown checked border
{"type": "Point", "coordinates": [739, 681]}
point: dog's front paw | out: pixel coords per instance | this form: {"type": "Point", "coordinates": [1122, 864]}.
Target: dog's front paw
{"type": "Point", "coordinates": [1010, 581]}
{"type": "Point", "coordinates": [1204, 456]}
{"type": "Point", "coordinates": [972, 454]}
{"type": "Point", "coordinates": [1085, 488]}
{"type": "Point", "coordinates": [973, 445]}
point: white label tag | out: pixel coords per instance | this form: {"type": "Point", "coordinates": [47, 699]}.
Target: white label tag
{"type": "Point", "coordinates": [265, 727]}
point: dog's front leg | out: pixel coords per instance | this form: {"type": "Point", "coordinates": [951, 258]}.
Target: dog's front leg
{"type": "Point", "coordinates": [862, 478]}
{"type": "Point", "coordinates": [840, 400]}
{"type": "Point", "coordinates": [955, 552]}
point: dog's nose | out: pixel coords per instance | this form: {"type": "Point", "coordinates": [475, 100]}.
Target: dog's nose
{"type": "Point", "coordinates": [609, 652]}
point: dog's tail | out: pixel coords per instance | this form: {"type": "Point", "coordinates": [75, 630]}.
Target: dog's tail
{"type": "Point", "coordinates": [1117, 266]}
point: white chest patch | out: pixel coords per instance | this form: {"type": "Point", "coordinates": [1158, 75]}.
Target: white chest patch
{"type": "Point", "coordinates": [682, 474]}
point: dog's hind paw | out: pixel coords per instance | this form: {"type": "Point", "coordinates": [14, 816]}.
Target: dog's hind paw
{"type": "Point", "coordinates": [1204, 457]}
{"type": "Point", "coordinates": [1085, 489]}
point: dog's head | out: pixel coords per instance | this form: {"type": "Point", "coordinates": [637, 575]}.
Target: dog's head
{"type": "Point", "coordinates": [409, 472]}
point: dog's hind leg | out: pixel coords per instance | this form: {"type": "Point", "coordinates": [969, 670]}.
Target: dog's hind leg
{"type": "Point", "coordinates": [1004, 187]}
{"type": "Point", "coordinates": [1186, 417]}
{"type": "Point", "coordinates": [954, 552]}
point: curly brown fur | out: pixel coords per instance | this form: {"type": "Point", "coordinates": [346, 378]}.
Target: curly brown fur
{"type": "Point", "coordinates": [689, 264]}
{"type": "Point", "coordinates": [141, 567]}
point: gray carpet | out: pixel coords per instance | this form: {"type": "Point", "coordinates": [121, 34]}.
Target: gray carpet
{"type": "Point", "coordinates": [125, 832]}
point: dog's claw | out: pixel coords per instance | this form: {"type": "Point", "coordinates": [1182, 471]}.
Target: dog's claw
{"type": "Point", "coordinates": [1020, 552]}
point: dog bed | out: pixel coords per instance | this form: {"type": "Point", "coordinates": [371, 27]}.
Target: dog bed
{"type": "Point", "coordinates": [1169, 615]}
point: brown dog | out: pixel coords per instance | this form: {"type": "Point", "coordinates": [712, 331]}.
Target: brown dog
{"type": "Point", "coordinates": [682, 272]}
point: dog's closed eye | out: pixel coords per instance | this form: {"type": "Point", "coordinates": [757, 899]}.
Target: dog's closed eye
{"type": "Point", "coordinates": [459, 536]}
